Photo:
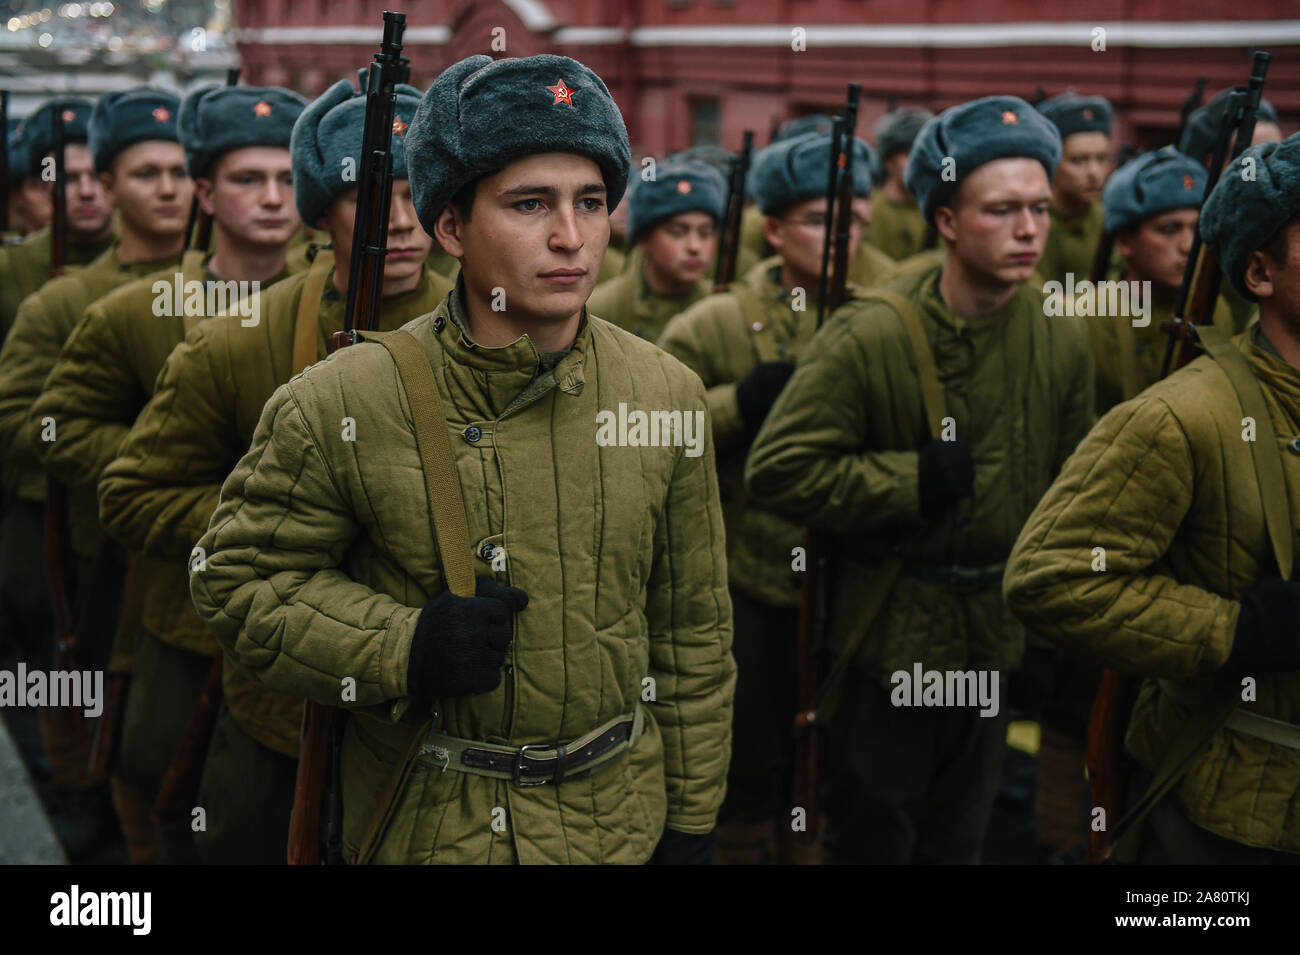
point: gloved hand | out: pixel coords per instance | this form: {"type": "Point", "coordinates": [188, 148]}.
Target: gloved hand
{"type": "Point", "coordinates": [460, 643]}
{"type": "Point", "coordinates": [1267, 638]}
{"type": "Point", "coordinates": [945, 474]}
{"type": "Point", "coordinates": [685, 848]}
{"type": "Point", "coordinates": [757, 392]}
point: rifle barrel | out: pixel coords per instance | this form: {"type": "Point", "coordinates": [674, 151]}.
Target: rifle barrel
{"type": "Point", "coordinates": [4, 160]}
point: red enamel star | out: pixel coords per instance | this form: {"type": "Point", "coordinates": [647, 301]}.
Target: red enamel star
{"type": "Point", "coordinates": [1087, 114]}
{"type": "Point", "coordinates": [69, 115]}
{"type": "Point", "coordinates": [684, 186]}
{"type": "Point", "coordinates": [161, 114]}
{"type": "Point", "coordinates": [399, 127]}
{"type": "Point", "coordinates": [262, 108]}
{"type": "Point", "coordinates": [1189, 182]}
{"type": "Point", "coordinates": [562, 93]}
{"type": "Point", "coordinates": [1009, 117]}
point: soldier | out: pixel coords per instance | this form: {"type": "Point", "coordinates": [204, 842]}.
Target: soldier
{"type": "Point", "coordinates": [1161, 550]}
{"type": "Point", "coordinates": [160, 492]}
{"type": "Point", "coordinates": [743, 344]}
{"type": "Point", "coordinates": [616, 617]}
{"type": "Point", "coordinates": [236, 142]}
{"type": "Point", "coordinates": [25, 267]}
{"type": "Point", "coordinates": [925, 478]}
{"type": "Point", "coordinates": [133, 143]}
{"type": "Point", "coordinates": [1151, 207]}
{"type": "Point", "coordinates": [673, 221]}
{"type": "Point", "coordinates": [897, 226]}
{"type": "Point", "coordinates": [1197, 141]}
{"type": "Point", "coordinates": [1084, 123]}
{"type": "Point", "coordinates": [21, 220]}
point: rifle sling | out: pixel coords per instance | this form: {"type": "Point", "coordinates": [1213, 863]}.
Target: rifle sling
{"type": "Point", "coordinates": [305, 328]}
{"type": "Point", "coordinates": [880, 584]}
{"type": "Point", "coordinates": [1208, 718]}
{"type": "Point", "coordinates": [450, 529]}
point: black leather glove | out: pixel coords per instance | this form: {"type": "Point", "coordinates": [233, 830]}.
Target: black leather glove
{"type": "Point", "coordinates": [945, 474]}
{"type": "Point", "coordinates": [1267, 638]}
{"type": "Point", "coordinates": [757, 392]}
{"type": "Point", "coordinates": [685, 848]}
{"type": "Point", "coordinates": [460, 642]}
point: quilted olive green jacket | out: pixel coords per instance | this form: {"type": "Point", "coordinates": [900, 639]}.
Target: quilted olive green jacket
{"type": "Point", "coordinates": [158, 494]}
{"type": "Point", "coordinates": [321, 556]}
{"type": "Point", "coordinates": [1165, 486]}
{"type": "Point", "coordinates": [838, 453]}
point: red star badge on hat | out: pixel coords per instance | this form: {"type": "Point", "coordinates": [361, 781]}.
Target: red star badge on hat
{"type": "Point", "coordinates": [562, 93]}
{"type": "Point", "coordinates": [684, 186]}
{"type": "Point", "coordinates": [69, 115]}
{"type": "Point", "coordinates": [1008, 117]}
{"type": "Point", "coordinates": [399, 127]}
{"type": "Point", "coordinates": [161, 114]}
{"type": "Point", "coordinates": [1189, 182]}
{"type": "Point", "coordinates": [262, 108]}
{"type": "Point", "coordinates": [1087, 114]}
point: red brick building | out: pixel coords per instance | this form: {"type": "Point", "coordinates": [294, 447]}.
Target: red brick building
{"type": "Point", "coordinates": [687, 71]}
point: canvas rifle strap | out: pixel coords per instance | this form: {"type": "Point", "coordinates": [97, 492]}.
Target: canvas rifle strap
{"type": "Point", "coordinates": [305, 350]}
{"type": "Point", "coordinates": [877, 589]}
{"type": "Point", "coordinates": [450, 529]}
{"type": "Point", "coordinates": [1209, 718]}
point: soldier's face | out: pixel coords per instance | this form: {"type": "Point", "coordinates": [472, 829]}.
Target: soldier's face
{"type": "Point", "coordinates": [537, 231]}
{"type": "Point", "coordinates": [408, 244]}
{"type": "Point", "coordinates": [1157, 250]}
{"type": "Point", "coordinates": [90, 205]}
{"type": "Point", "coordinates": [998, 221]}
{"type": "Point", "coordinates": [1084, 165]}
{"type": "Point", "coordinates": [681, 250]}
{"type": "Point", "coordinates": [249, 194]}
{"type": "Point", "coordinates": [799, 233]}
{"type": "Point", "coordinates": [152, 188]}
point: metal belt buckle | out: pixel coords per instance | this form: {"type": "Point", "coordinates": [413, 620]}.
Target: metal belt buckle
{"type": "Point", "coordinates": [519, 764]}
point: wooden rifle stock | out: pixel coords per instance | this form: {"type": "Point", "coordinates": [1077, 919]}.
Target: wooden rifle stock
{"type": "Point", "coordinates": [315, 825]}
{"type": "Point", "coordinates": [58, 566]}
{"type": "Point", "coordinates": [724, 272]}
{"type": "Point", "coordinates": [181, 784]}
{"type": "Point", "coordinates": [108, 731]}
{"type": "Point", "coordinates": [59, 199]}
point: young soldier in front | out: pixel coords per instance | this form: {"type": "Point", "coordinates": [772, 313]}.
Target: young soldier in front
{"type": "Point", "coordinates": [849, 450]}
{"type": "Point", "coordinates": [1166, 488]}
{"type": "Point", "coordinates": [236, 142]}
{"type": "Point", "coordinates": [673, 221]}
{"type": "Point", "coordinates": [1084, 123]}
{"type": "Point", "coordinates": [159, 493]}
{"type": "Point", "coordinates": [602, 594]}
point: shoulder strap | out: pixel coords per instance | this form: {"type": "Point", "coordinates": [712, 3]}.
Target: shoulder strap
{"type": "Point", "coordinates": [192, 266]}
{"type": "Point", "coordinates": [876, 590]}
{"type": "Point", "coordinates": [1126, 356]}
{"type": "Point", "coordinates": [755, 319]}
{"type": "Point", "coordinates": [450, 530]}
{"type": "Point", "coordinates": [305, 327]}
{"type": "Point", "coordinates": [1209, 718]}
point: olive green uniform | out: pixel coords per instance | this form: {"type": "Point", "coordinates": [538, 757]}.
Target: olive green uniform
{"type": "Point", "coordinates": [1071, 245]}
{"type": "Point", "coordinates": [1166, 488]}
{"type": "Point", "coordinates": [897, 230]}
{"type": "Point", "coordinates": [157, 496]}
{"type": "Point", "coordinates": [627, 301]}
{"type": "Point", "coordinates": [838, 453]}
{"type": "Point", "coordinates": [25, 267]}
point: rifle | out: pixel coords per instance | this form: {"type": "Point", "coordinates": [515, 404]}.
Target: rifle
{"type": "Point", "coordinates": [1195, 99]}
{"type": "Point", "coordinates": [724, 272]}
{"type": "Point", "coordinates": [108, 732]}
{"type": "Point", "coordinates": [59, 222]}
{"type": "Point", "coordinates": [198, 230]}
{"type": "Point", "coordinates": [1116, 692]}
{"type": "Point", "coordinates": [316, 836]}
{"type": "Point", "coordinates": [4, 160]}
{"type": "Point", "coordinates": [181, 784]}
{"type": "Point", "coordinates": [815, 598]}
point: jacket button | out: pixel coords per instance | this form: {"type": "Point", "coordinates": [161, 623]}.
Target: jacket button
{"type": "Point", "coordinates": [1294, 446]}
{"type": "Point", "coordinates": [439, 323]}
{"type": "Point", "coordinates": [487, 551]}
{"type": "Point", "coordinates": [473, 433]}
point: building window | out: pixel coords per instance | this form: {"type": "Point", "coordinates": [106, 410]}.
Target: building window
{"type": "Point", "coordinates": [705, 121]}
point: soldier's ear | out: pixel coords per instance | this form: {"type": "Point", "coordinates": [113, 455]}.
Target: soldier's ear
{"type": "Point", "coordinates": [1258, 274]}
{"type": "Point", "coordinates": [203, 190]}
{"type": "Point", "coordinates": [447, 231]}
{"type": "Point", "coordinates": [772, 233]}
{"type": "Point", "coordinates": [945, 223]}
{"type": "Point", "coordinates": [106, 180]}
